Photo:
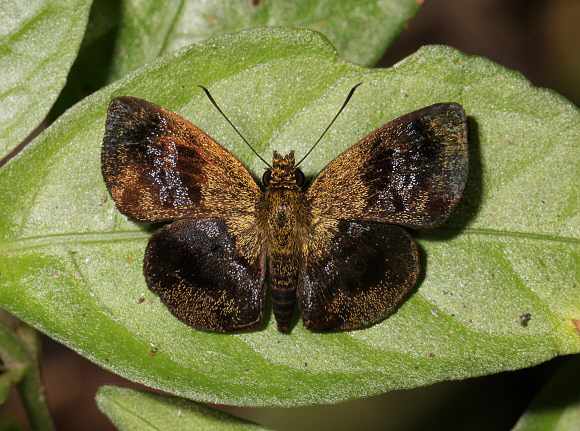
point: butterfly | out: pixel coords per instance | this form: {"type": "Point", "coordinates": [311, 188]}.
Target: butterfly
{"type": "Point", "coordinates": [335, 245]}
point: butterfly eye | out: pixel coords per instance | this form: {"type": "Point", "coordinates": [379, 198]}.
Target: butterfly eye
{"type": "Point", "coordinates": [266, 177]}
{"type": "Point", "coordinates": [299, 176]}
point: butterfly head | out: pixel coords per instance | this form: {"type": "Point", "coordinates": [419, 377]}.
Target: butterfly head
{"type": "Point", "coordinates": [283, 173]}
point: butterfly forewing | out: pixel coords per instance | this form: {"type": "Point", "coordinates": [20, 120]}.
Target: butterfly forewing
{"type": "Point", "coordinates": [411, 171]}
{"type": "Point", "coordinates": [158, 166]}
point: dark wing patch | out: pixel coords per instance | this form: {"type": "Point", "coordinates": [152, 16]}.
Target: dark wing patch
{"type": "Point", "coordinates": [206, 276]}
{"type": "Point", "coordinates": [158, 166]}
{"type": "Point", "coordinates": [411, 171]}
{"type": "Point", "coordinates": [354, 274]}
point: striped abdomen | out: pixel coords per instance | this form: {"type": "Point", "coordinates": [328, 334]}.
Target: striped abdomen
{"type": "Point", "coordinates": [283, 279]}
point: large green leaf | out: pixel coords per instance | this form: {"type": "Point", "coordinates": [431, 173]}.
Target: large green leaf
{"type": "Point", "coordinates": [71, 265]}
{"type": "Point", "coordinates": [136, 410]}
{"type": "Point", "coordinates": [39, 41]}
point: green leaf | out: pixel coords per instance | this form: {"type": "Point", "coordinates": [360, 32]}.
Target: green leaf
{"type": "Point", "coordinates": [14, 358]}
{"type": "Point", "coordinates": [19, 356]}
{"type": "Point", "coordinates": [557, 406]}
{"type": "Point", "coordinates": [130, 409]}
{"type": "Point", "coordinates": [360, 30]}
{"type": "Point", "coordinates": [123, 36]}
{"type": "Point", "coordinates": [71, 264]}
{"type": "Point", "coordinates": [39, 41]}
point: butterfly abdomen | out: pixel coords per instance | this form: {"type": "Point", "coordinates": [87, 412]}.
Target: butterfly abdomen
{"type": "Point", "coordinates": [283, 279]}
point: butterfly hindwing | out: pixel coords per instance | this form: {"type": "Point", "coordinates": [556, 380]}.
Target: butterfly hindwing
{"type": "Point", "coordinates": [355, 274]}
{"type": "Point", "coordinates": [205, 276]}
{"type": "Point", "coordinates": [410, 172]}
{"type": "Point", "coordinates": [158, 166]}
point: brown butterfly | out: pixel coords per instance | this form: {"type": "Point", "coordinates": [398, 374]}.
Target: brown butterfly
{"type": "Point", "coordinates": [333, 244]}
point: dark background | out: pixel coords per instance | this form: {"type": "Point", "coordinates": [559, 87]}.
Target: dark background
{"type": "Point", "coordinates": [540, 39]}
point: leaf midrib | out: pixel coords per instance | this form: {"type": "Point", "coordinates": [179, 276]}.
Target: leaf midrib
{"type": "Point", "coordinates": [118, 236]}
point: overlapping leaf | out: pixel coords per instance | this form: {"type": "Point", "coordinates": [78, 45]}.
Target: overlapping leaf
{"type": "Point", "coordinates": [125, 35]}
{"type": "Point", "coordinates": [557, 406]}
{"type": "Point", "coordinates": [39, 41]}
{"type": "Point", "coordinates": [136, 410]}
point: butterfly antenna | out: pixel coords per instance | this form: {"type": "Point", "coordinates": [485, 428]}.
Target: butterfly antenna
{"type": "Point", "coordinates": [335, 117]}
{"type": "Point", "coordinates": [231, 124]}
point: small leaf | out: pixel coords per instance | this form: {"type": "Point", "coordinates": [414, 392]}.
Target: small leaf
{"type": "Point", "coordinates": [71, 264]}
{"type": "Point", "coordinates": [14, 357]}
{"type": "Point", "coordinates": [557, 406]}
{"type": "Point", "coordinates": [39, 41]}
{"type": "Point", "coordinates": [130, 409]}
{"type": "Point", "coordinates": [19, 356]}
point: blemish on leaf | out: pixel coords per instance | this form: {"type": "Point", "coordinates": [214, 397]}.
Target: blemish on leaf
{"type": "Point", "coordinates": [211, 19]}
{"type": "Point", "coordinates": [525, 318]}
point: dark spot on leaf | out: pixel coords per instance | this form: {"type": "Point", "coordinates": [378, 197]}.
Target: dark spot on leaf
{"type": "Point", "coordinates": [525, 318]}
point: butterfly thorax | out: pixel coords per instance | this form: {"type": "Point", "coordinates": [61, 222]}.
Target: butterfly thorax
{"type": "Point", "coordinates": [285, 219]}
{"type": "Point", "coordinates": [283, 212]}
